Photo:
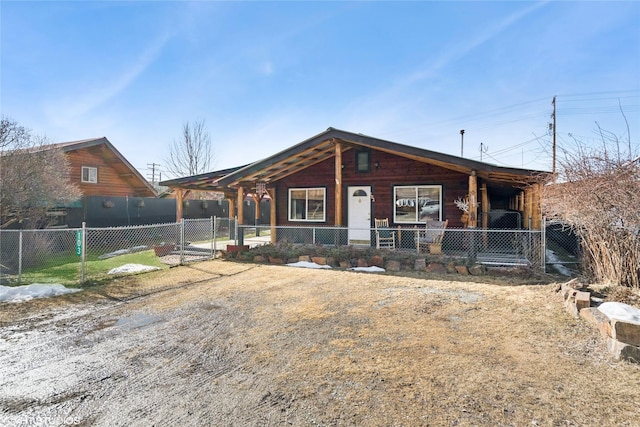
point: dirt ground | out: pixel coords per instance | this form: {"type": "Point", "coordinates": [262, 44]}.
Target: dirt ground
{"type": "Point", "coordinates": [227, 344]}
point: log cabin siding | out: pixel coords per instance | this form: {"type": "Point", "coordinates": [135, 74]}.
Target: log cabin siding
{"type": "Point", "coordinates": [113, 178]}
{"type": "Point", "coordinates": [392, 171]}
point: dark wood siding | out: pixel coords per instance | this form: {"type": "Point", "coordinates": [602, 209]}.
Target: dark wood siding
{"type": "Point", "coordinates": [114, 177]}
{"type": "Point", "coordinates": [392, 170]}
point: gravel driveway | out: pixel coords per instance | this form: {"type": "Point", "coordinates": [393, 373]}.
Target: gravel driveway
{"type": "Point", "coordinates": [259, 345]}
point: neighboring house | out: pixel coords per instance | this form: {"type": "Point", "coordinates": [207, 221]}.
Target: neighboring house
{"type": "Point", "coordinates": [339, 178]}
{"type": "Point", "coordinates": [100, 169]}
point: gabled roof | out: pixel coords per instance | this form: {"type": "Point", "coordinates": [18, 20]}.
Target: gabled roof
{"type": "Point", "coordinates": [322, 146]}
{"type": "Point", "coordinates": [204, 181]}
{"type": "Point", "coordinates": [114, 158]}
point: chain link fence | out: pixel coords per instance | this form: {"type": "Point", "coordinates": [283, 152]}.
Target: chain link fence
{"type": "Point", "coordinates": [72, 256]}
{"type": "Point", "coordinates": [496, 248]}
{"type": "Point", "coordinates": [563, 249]}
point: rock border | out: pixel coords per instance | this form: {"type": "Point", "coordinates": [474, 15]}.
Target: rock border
{"type": "Point", "coordinates": [622, 338]}
{"type": "Point", "coordinates": [423, 264]}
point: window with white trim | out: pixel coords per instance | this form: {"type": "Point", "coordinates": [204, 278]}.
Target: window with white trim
{"type": "Point", "coordinates": [90, 174]}
{"type": "Point", "coordinates": [417, 203]}
{"type": "Point", "coordinates": [307, 204]}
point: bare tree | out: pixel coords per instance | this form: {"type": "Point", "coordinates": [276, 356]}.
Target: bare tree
{"type": "Point", "coordinates": [598, 196]}
{"type": "Point", "coordinates": [192, 154]}
{"type": "Point", "coordinates": [33, 176]}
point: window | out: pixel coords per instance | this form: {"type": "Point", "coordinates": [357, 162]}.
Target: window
{"type": "Point", "coordinates": [307, 204]}
{"type": "Point", "coordinates": [362, 161]}
{"type": "Point", "coordinates": [417, 203]}
{"type": "Point", "coordinates": [89, 174]}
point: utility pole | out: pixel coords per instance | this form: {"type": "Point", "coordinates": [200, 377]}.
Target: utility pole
{"type": "Point", "coordinates": [483, 149]}
{"type": "Point", "coordinates": [153, 167]}
{"type": "Point", "coordinates": [553, 116]}
{"type": "Point", "coordinates": [461, 142]}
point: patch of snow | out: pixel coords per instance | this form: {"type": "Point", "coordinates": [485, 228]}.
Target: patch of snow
{"type": "Point", "coordinates": [551, 256]}
{"type": "Point", "coordinates": [620, 311]}
{"type": "Point", "coordinates": [307, 264]}
{"type": "Point", "coordinates": [132, 268]}
{"type": "Point", "coordinates": [35, 290]}
{"type": "Point", "coordinates": [372, 269]}
{"type": "Point", "coordinates": [123, 252]}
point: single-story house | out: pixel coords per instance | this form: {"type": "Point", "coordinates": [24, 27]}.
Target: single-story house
{"type": "Point", "coordinates": [340, 178]}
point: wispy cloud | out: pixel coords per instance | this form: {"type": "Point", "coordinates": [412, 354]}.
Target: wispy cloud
{"type": "Point", "coordinates": [399, 100]}
{"type": "Point", "coordinates": [76, 105]}
{"type": "Point", "coordinates": [470, 44]}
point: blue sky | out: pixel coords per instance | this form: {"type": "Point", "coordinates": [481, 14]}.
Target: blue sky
{"type": "Point", "coordinates": [267, 75]}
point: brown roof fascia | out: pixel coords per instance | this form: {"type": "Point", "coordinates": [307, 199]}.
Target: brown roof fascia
{"type": "Point", "coordinates": [261, 169]}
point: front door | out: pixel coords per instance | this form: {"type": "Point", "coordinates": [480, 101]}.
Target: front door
{"type": "Point", "coordinates": [359, 215]}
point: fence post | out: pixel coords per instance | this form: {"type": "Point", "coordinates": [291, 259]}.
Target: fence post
{"type": "Point", "coordinates": [83, 255]}
{"type": "Point", "coordinates": [20, 259]}
{"type": "Point", "coordinates": [181, 241]}
{"type": "Point", "coordinates": [235, 231]}
{"type": "Point", "coordinates": [543, 244]}
{"type": "Point", "coordinates": [213, 237]}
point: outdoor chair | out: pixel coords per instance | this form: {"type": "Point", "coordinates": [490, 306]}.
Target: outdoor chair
{"type": "Point", "coordinates": [385, 236]}
{"type": "Point", "coordinates": [430, 238]}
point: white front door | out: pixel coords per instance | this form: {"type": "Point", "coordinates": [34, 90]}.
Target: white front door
{"type": "Point", "coordinates": [359, 215]}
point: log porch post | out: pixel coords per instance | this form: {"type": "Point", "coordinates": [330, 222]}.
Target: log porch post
{"type": "Point", "coordinates": [179, 204]}
{"type": "Point", "coordinates": [338, 192]}
{"type": "Point", "coordinates": [240, 205]}
{"type": "Point", "coordinates": [485, 208]}
{"type": "Point", "coordinates": [536, 208]}
{"type": "Point", "coordinates": [272, 205]}
{"type": "Point", "coordinates": [473, 200]}
{"type": "Point", "coordinates": [232, 204]}
{"type": "Point", "coordinates": [528, 204]}
{"type": "Point", "coordinates": [484, 205]}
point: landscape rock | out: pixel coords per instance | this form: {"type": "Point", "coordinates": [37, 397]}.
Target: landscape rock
{"type": "Point", "coordinates": [623, 351]}
{"type": "Point", "coordinates": [575, 300]}
{"type": "Point", "coordinates": [436, 267]}
{"type": "Point", "coordinates": [377, 261]}
{"type": "Point", "coordinates": [461, 269]}
{"type": "Point", "coordinates": [274, 260]}
{"type": "Point", "coordinates": [420, 264]}
{"type": "Point", "coordinates": [393, 265]}
{"type": "Point", "coordinates": [320, 260]}
{"type": "Point", "coordinates": [598, 319]}
{"type": "Point", "coordinates": [626, 332]}
{"type": "Point", "coordinates": [451, 268]}
{"type": "Point", "coordinates": [477, 270]}
{"type": "Point", "coordinates": [304, 258]}
{"type": "Point", "coordinates": [362, 263]}
{"type": "Point", "coordinates": [258, 258]}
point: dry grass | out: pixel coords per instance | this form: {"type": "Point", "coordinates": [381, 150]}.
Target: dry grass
{"type": "Point", "coordinates": [342, 348]}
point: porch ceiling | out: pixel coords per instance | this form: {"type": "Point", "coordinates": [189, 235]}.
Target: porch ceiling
{"type": "Point", "coordinates": [282, 166]}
